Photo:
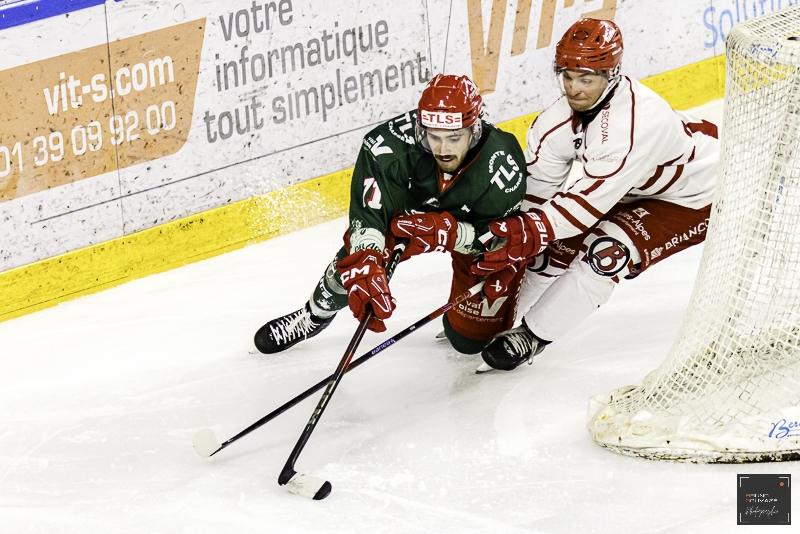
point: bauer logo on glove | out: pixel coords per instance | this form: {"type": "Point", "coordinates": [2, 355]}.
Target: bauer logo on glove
{"type": "Point", "coordinates": [526, 235]}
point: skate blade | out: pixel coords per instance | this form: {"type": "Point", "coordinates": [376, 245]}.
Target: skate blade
{"type": "Point", "coordinates": [441, 336]}
{"type": "Point", "coordinates": [483, 368]}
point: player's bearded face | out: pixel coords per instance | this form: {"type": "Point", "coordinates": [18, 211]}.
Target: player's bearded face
{"type": "Point", "coordinates": [582, 89]}
{"type": "Point", "coordinates": [449, 147]}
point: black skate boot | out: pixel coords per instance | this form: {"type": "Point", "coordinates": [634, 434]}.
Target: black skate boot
{"type": "Point", "coordinates": [510, 349]}
{"type": "Point", "coordinates": [287, 331]}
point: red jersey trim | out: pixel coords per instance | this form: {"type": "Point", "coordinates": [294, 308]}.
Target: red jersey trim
{"type": "Point", "coordinates": [660, 171]}
{"type": "Point", "coordinates": [704, 127]}
{"type": "Point", "coordinates": [594, 187]}
{"type": "Point", "coordinates": [653, 179]}
{"type": "Point", "coordinates": [535, 199]}
{"type": "Point", "coordinates": [670, 162]}
{"type": "Point", "coordinates": [582, 202]}
{"type": "Point", "coordinates": [691, 158]}
{"type": "Point", "coordinates": [678, 172]}
{"type": "Point", "coordinates": [568, 216]}
{"type": "Point", "coordinates": [444, 185]}
{"type": "Point", "coordinates": [541, 141]}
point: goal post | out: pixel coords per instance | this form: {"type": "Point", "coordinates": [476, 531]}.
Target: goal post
{"type": "Point", "coordinates": [729, 388]}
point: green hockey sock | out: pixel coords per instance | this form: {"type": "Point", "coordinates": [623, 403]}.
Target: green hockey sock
{"type": "Point", "coordinates": [329, 295]}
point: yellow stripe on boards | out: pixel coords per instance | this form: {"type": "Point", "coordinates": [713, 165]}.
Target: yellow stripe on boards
{"type": "Point", "coordinates": [691, 86]}
{"type": "Point", "coordinates": [91, 269]}
{"type": "Point", "coordinates": [519, 127]}
{"type": "Point", "coordinates": [197, 237]}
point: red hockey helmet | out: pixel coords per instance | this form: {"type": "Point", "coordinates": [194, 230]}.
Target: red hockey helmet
{"type": "Point", "coordinates": [450, 102]}
{"type": "Point", "coordinates": [590, 44]}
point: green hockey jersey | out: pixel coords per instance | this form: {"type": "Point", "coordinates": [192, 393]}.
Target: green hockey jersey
{"type": "Point", "coordinates": [394, 175]}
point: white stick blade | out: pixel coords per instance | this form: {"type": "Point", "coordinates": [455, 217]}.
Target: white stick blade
{"type": "Point", "coordinates": [205, 442]}
{"type": "Point", "coordinates": [308, 486]}
{"type": "Point", "coordinates": [483, 368]}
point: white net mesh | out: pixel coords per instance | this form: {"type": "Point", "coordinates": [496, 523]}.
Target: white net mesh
{"type": "Point", "coordinates": [729, 389]}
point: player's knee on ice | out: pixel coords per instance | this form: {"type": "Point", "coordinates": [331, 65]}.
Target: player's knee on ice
{"type": "Point", "coordinates": [462, 344]}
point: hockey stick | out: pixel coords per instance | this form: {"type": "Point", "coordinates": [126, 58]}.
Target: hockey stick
{"type": "Point", "coordinates": [311, 486]}
{"type": "Point", "coordinates": [205, 442]}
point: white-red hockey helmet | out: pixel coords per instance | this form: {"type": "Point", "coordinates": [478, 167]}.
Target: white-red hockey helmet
{"type": "Point", "coordinates": [450, 102]}
{"type": "Point", "coordinates": [590, 44]}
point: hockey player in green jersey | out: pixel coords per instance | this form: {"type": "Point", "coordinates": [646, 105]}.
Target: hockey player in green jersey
{"type": "Point", "coordinates": [437, 176]}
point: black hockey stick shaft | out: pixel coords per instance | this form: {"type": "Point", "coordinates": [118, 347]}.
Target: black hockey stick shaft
{"type": "Point", "coordinates": [288, 470]}
{"type": "Point", "coordinates": [355, 363]}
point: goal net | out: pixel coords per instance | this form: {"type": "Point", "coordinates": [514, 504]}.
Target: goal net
{"type": "Point", "coordinates": [729, 389]}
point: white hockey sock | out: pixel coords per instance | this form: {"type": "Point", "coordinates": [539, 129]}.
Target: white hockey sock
{"type": "Point", "coordinates": [328, 296]}
{"type": "Point", "coordinates": [569, 300]}
{"type": "Point", "coordinates": [319, 312]}
{"type": "Point", "coordinates": [533, 286]}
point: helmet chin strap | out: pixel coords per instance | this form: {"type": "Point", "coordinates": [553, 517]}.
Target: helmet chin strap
{"type": "Point", "coordinates": [476, 131]}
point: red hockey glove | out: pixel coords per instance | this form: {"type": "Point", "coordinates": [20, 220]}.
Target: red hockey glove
{"type": "Point", "coordinates": [364, 279]}
{"type": "Point", "coordinates": [497, 283]}
{"type": "Point", "coordinates": [426, 232]}
{"type": "Point", "coordinates": [526, 234]}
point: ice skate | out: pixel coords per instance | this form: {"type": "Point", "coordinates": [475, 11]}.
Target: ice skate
{"type": "Point", "coordinates": [509, 350]}
{"type": "Point", "coordinates": [287, 331]}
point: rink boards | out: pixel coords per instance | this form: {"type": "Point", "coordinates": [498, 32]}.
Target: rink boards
{"type": "Point", "coordinates": [142, 135]}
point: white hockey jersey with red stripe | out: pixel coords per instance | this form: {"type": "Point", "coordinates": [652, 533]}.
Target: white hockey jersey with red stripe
{"type": "Point", "coordinates": [635, 147]}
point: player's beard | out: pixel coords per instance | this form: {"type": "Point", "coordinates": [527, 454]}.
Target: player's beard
{"type": "Point", "coordinates": [449, 163]}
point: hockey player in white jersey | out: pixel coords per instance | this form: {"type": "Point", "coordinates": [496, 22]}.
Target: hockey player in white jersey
{"type": "Point", "coordinates": [645, 193]}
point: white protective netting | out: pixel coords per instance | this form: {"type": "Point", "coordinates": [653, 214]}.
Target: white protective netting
{"type": "Point", "coordinates": [729, 389]}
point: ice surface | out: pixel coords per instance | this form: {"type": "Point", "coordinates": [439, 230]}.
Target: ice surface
{"type": "Point", "coordinates": [101, 397]}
